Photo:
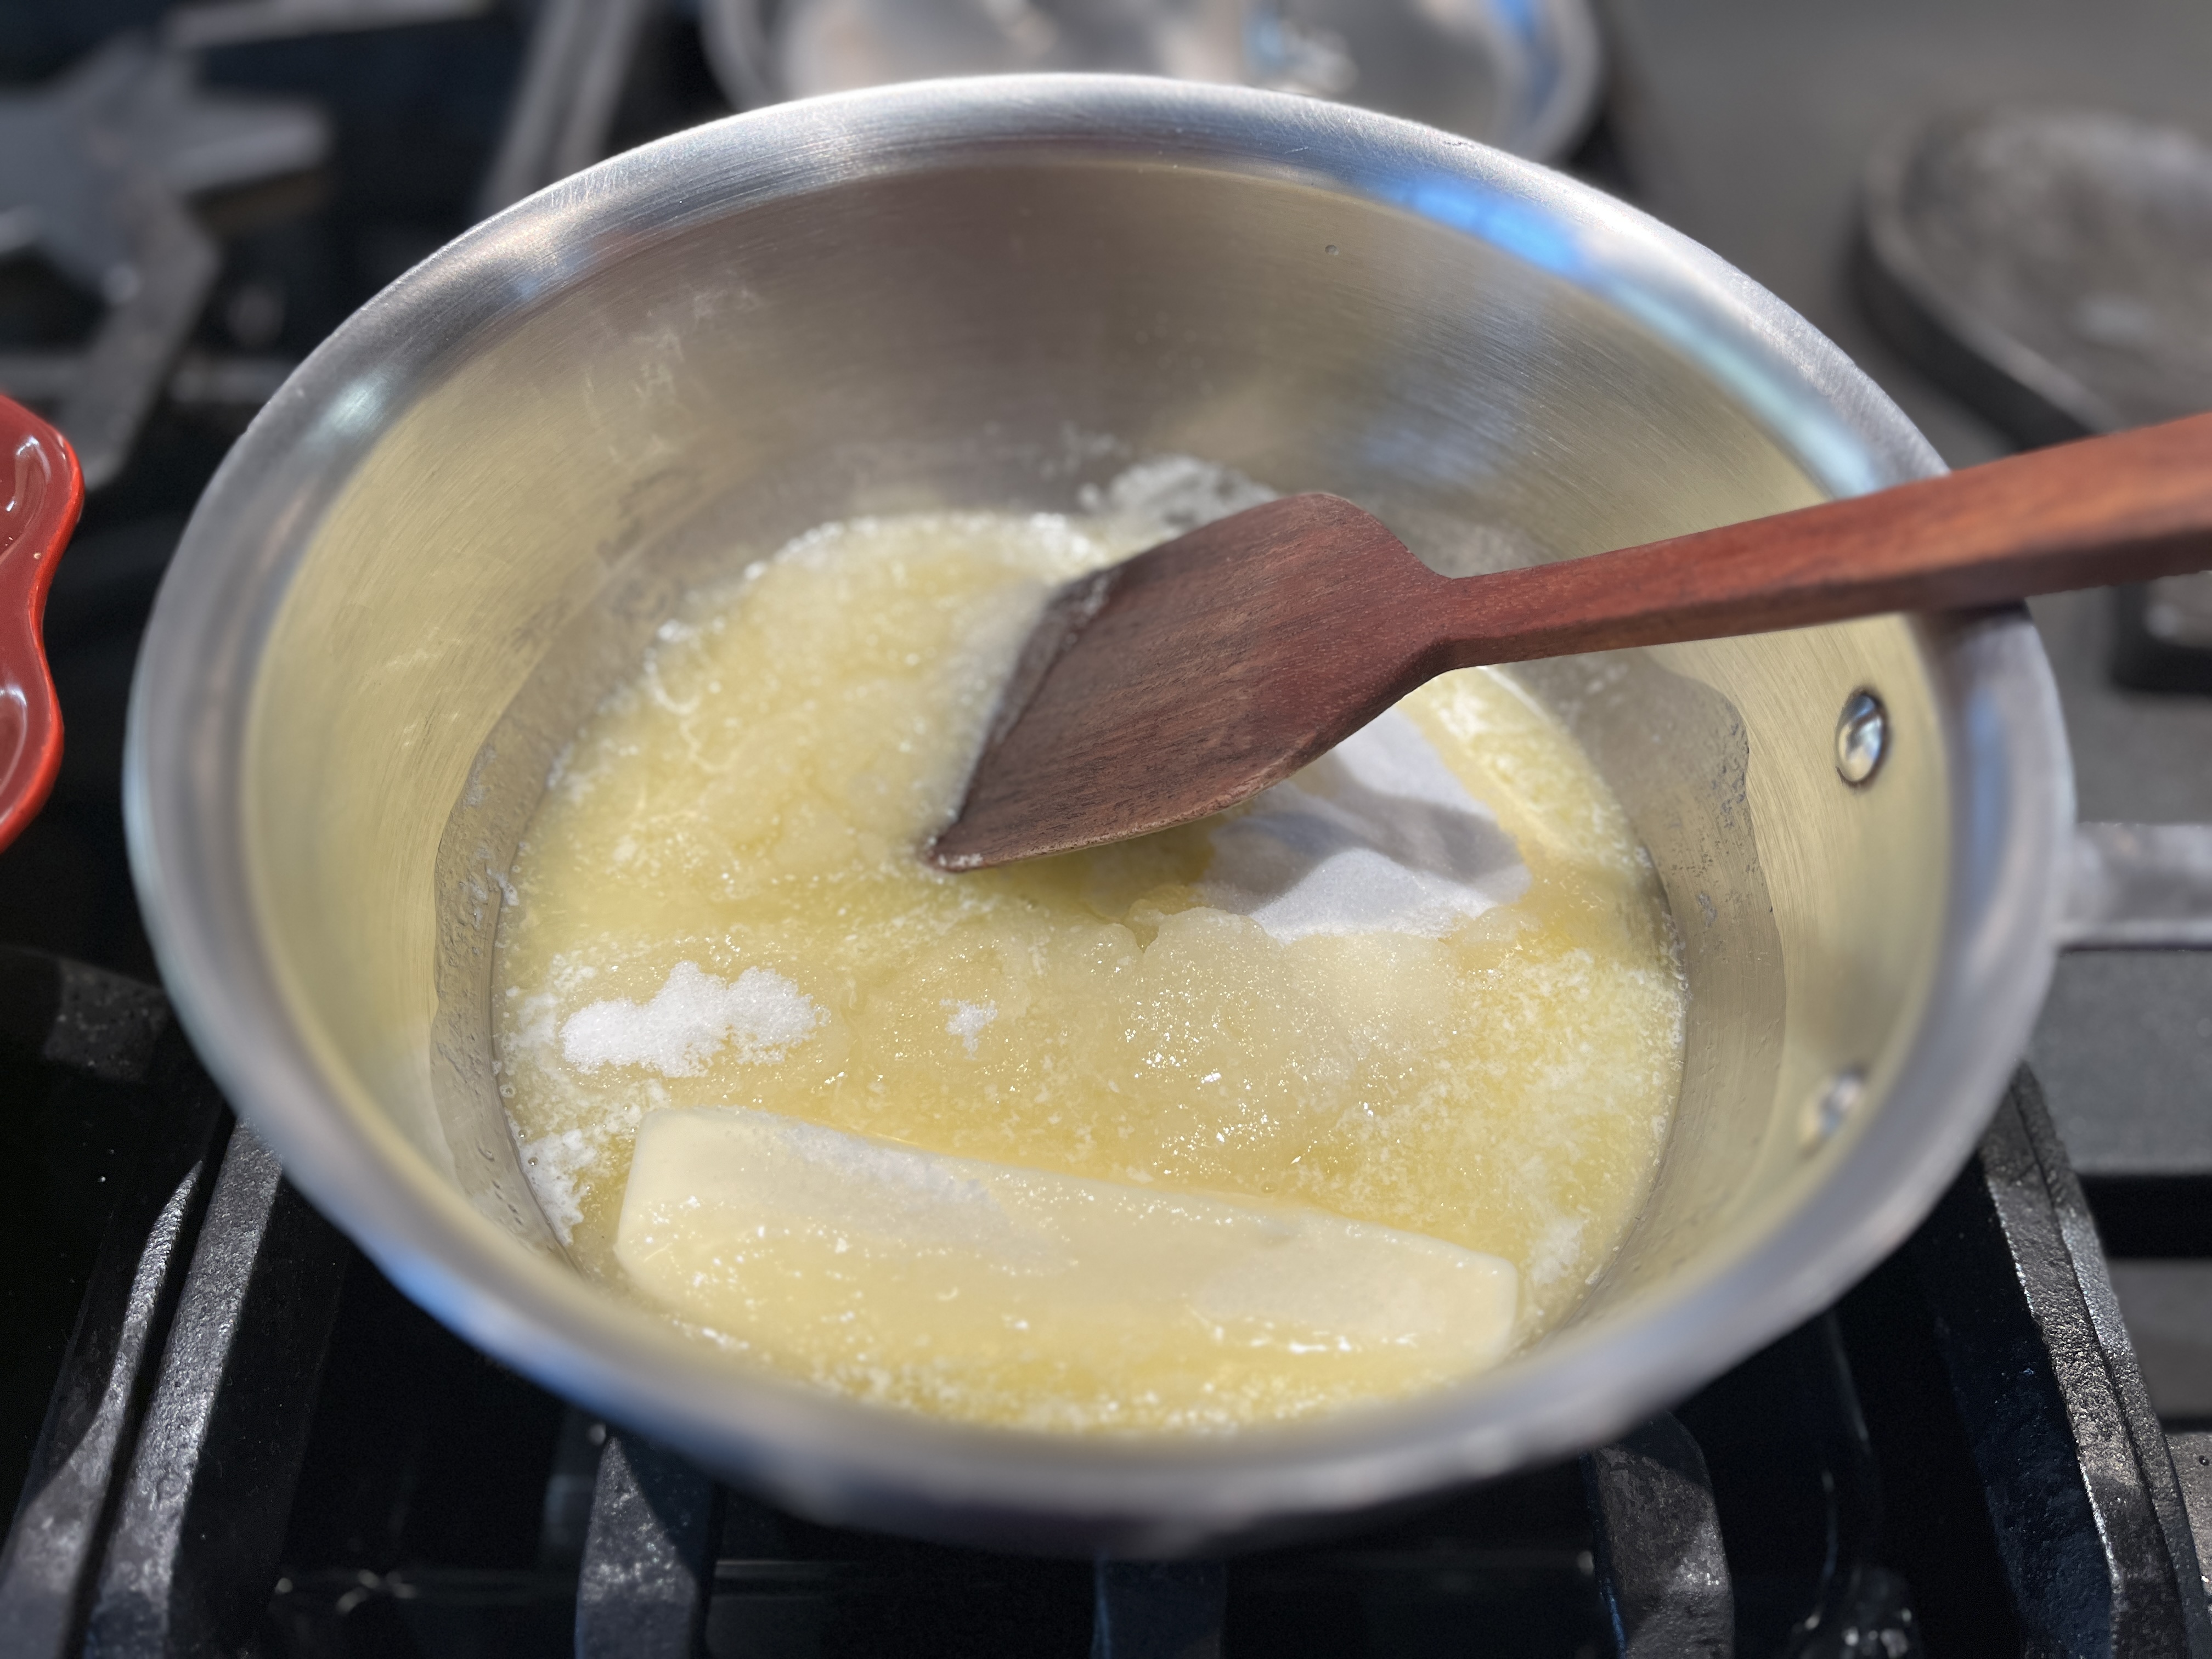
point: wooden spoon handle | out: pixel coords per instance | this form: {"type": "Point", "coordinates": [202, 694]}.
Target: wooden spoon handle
{"type": "Point", "coordinates": [2089, 514]}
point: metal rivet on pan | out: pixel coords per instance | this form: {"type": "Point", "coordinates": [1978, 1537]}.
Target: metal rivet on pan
{"type": "Point", "coordinates": [1861, 738]}
{"type": "Point", "coordinates": [1831, 1106]}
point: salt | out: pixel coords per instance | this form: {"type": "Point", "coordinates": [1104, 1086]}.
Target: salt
{"type": "Point", "coordinates": [969, 1019]}
{"type": "Point", "coordinates": [557, 1166]}
{"type": "Point", "coordinates": [692, 1018]}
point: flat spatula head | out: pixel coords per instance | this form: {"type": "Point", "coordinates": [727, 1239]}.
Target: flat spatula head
{"type": "Point", "coordinates": [1193, 676]}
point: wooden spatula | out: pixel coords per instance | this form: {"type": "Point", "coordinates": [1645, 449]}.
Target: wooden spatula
{"type": "Point", "coordinates": [1194, 674]}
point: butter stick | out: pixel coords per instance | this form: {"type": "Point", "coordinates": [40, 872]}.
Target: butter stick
{"type": "Point", "coordinates": [1034, 1297]}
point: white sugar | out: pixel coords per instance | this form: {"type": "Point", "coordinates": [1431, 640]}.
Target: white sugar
{"type": "Point", "coordinates": [1378, 836]}
{"type": "Point", "coordinates": [691, 1019]}
{"type": "Point", "coordinates": [969, 1019]}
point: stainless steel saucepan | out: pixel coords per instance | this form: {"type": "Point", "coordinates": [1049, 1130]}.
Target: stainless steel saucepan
{"type": "Point", "coordinates": [460, 522]}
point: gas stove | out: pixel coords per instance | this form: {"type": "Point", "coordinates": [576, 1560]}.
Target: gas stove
{"type": "Point", "coordinates": [230, 1433]}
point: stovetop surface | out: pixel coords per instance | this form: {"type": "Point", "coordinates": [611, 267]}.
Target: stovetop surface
{"type": "Point", "coordinates": [328, 1472]}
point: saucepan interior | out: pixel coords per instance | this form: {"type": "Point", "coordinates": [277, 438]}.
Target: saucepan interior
{"type": "Point", "coordinates": [460, 524]}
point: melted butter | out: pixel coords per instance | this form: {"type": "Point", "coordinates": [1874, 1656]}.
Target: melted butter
{"type": "Point", "coordinates": [718, 906]}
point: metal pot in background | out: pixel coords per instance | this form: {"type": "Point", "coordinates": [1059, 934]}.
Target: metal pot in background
{"type": "Point", "coordinates": [2053, 268]}
{"type": "Point", "coordinates": [460, 522]}
{"type": "Point", "coordinates": [1524, 76]}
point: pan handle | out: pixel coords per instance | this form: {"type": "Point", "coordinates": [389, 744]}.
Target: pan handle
{"type": "Point", "coordinates": [44, 492]}
{"type": "Point", "coordinates": [2139, 887]}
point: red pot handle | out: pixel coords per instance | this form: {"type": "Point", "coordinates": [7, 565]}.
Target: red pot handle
{"type": "Point", "coordinates": [45, 492]}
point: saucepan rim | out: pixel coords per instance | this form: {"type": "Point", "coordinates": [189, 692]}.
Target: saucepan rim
{"type": "Point", "coordinates": [2011, 805]}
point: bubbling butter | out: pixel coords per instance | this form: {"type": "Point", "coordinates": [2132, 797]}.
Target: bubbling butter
{"type": "Point", "coordinates": [1332, 1098]}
